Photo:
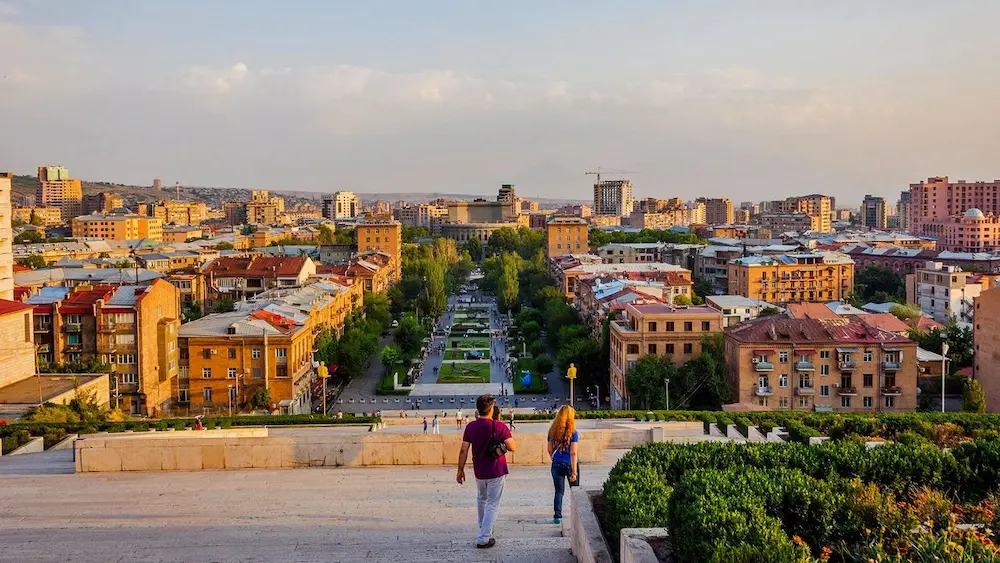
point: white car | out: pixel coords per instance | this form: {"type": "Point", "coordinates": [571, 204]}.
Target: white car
{"type": "Point", "coordinates": [362, 401]}
{"type": "Point", "coordinates": [395, 324]}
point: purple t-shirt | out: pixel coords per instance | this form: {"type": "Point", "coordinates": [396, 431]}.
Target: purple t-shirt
{"type": "Point", "coordinates": [479, 433]}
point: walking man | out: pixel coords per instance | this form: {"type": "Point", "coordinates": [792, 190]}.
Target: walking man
{"type": "Point", "coordinates": [482, 436]}
{"type": "Point", "coordinates": [425, 425]}
{"type": "Point", "coordinates": [435, 426]}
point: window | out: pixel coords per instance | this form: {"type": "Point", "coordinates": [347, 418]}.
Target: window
{"type": "Point", "coordinates": [256, 373]}
{"type": "Point", "coordinates": [629, 365]}
{"type": "Point", "coordinates": [845, 402]}
{"type": "Point", "coordinates": [783, 357]}
{"type": "Point", "coordinates": [232, 373]}
{"type": "Point", "coordinates": [824, 370]}
{"type": "Point", "coordinates": [783, 380]}
{"type": "Point", "coordinates": [232, 393]}
{"type": "Point", "coordinates": [688, 326]}
{"type": "Point", "coordinates": [670, 326]}
{"type": "Point", "coordinates": [890, 402]}
{"type": "Point", "coordinates": [783, 402]}
{"type": "Point", "coordinates": [74, 319]}
{"type": "Point", "coordinates": [824, 390]}
{"type": "Point", "coordinates": [824, 354]}
{"type": "Point", "coordinates": [651, 327]}
{"type": "Point", "coordinates": [206, 373]}
{"type": "Point", "coordinates": [255, 354]}
{"type": "Point", "coordinates": [706, 326]}
{"type": "Point", "coordinates": [867, 402]}
{"type": "Point", "coordinates": [171, 345]}
{"type": "Point", "coordinates": [804, 402]}
{"type": "Point", "coordinates": [183, 395]}
{"type": "Point", "coordinates": [206, 394]}
{"type": "Point", "coordinates": [128, 339]}
{"type": "Point", "coordinates": [632, 349]}
{"type": "Point", "coordinates": [73, 339]}
{"type": "Point", "coordinates": [128, 378]}
{"type": "Point", "coordinates": [668, 349]}
{"type": "Point", "coordinates": [126, 359]}
{"type": "Point", "coordinates": [652, 348]}
{"type": "Point", "coordinates": [172, 365]}
{"type": "Point", "coordinates": [232, 353]}
{"type": "Point", "coordinates": [868, 356]}
{"type": "Point", "coordinates": [688, 348]}
{"type": "Point", "coordinates": [281, 353]}
{"type": "Point", "coordinates": [867, 380]}
{"type": "Point", "coordinates": [805, 381]}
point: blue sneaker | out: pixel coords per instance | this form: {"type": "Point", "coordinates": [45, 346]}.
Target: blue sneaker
{"type": "Point", "coordinates": [557, 520]}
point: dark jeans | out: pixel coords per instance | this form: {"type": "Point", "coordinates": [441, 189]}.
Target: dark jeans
{"type": "Point", "coordinates": [559, 479]}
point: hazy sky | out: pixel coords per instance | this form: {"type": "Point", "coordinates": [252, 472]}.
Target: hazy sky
{"type": "Point", "coordinates": [748, 99]}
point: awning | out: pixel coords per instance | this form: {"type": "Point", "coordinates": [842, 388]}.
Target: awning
{"type": "Point", "coordinates": [848, 350]}
{"type": "Point", "coordinates": [892, 349]}
{"type": "Point", "coordinates": [762, 352]}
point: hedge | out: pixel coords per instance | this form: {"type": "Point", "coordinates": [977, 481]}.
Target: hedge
{"type": "Point", "coordinates": [739, 502]}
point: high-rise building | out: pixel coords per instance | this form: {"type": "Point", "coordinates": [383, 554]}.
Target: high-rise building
{"type": "Point", "coordinates": [341, 205]}
{"type": "Point", "coordinates": [613, 197]}
{"type": "Point", "coordinates": [6, 237]}
{"type": "Point", "coordinates": [696, 213]}
{"type": "Point", "coordinates": [56, 189]}
{"type": "Point", "coordinates": [873, 212]}
{"type": "Point", "coordinates": [903, 211]}
{"type": "Point", "coordinates": [506, 194]}
{"type": "Point", "coordinates": [814, 205]}
{"type": "Point", "coordinates": [180, 212]}
{"type": "Point", "coordinates": [262, 209]}
{"type": "Point", "coordinates": [791, 278]}
{"type": "Point", "coordinates": [383, 234]}
{"type": "Point", "coordinates": [719, 211]}
{"type": "Point", "coordinates": [937, 199]}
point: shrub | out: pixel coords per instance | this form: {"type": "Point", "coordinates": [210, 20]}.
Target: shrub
{"type": "Point", "coordinates": [53, 437]}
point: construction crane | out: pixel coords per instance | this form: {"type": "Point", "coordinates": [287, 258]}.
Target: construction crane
{"type": "Point", "coordinates": [597, 193]}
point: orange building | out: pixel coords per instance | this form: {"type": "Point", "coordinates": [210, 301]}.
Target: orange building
{"type": "Point", "coordinates": [56, 189]}
{"type": "Point", "coordinates": [567, 234]}
{"type": "Point", "coordinates": [652, 327]}
{"type": "Point", "coordinates": [383, 234]}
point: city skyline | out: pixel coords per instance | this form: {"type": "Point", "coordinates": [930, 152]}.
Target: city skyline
{"type": "Point", "coordinates": [699, 98]}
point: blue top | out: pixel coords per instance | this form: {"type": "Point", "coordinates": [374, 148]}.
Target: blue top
{"type": "Point", "coordinates": [563, 455]}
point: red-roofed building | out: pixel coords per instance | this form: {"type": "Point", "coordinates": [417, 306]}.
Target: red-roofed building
{"type": "Point", "coordinates": [841, 364]}
{"type": "Point", "coordinates": [886, 321]}
{"type": "Point", "coordinates": [654, 327]}
{"type": "Point", "coordinates": [810, 311]}
{"type": "Point", "coordinates": [241, 277]}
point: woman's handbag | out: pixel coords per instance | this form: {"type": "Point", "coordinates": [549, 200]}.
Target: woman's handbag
{"type": "Point", "coordinates": [497, 448]}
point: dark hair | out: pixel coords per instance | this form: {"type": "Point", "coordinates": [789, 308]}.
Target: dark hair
{"type": "Point", "coordinates": [484, 404]}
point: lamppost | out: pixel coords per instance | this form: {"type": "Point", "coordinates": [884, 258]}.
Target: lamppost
{"type": "Point", "coordinates": [944, 365]}
{"type": "Point", "coordinates": [324, 374]}
{"type": "Point", "coordinates": [571, 375]}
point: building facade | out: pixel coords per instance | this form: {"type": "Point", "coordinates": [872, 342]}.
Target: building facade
{"type": "Point", "coordinates": [987, 347]}
{"type": "Point", "coordinates": [939, 199]}
{"type": "Point", "coordinates": [820, 365]}
{"type": "Point", "coordinates": [6, 239]}
{"type": "Point", "coordinates": [659, 329]}
{"type": "Point", "coordinates": [383, 235]}
{"type": "Point", "coordinates": [341, 205]}
{"type": "Point", "coordinates": [613, 197]}
{"type": "Point", "coordinates": [946, 292]}
{"type": "Point", "coordinates": [719, 211]}
{"type": "Point", "coordinates": [784, 222]}
{"type": "Point", "coordinates": [47, 216]}
{"type": "Point", "coordinates": [974, 231]}
{"type": "Point", "coordinates": [874, 214]}
{"type": "Point", "coordinates": [790, 278]}
{"type": "Point", "coordinates": [567, 235]}
{"type": "Point", "coordinates": [117, 227]}
{"type": "Point", "coordinates": [56, 189]}
{"type": "Point", "coordinates": [262, 209]}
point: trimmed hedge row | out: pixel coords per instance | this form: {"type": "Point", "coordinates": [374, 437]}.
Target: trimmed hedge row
{"type": "Point", "coordinates": [739, 502]}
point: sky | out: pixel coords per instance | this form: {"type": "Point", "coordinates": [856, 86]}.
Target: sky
{"type": "Point", "coordinates": [746, 99]}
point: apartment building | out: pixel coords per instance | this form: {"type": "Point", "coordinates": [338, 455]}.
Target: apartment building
{"type": "Point", "coordinates": [371, 272]}
{"type": "Point", "coordinates": [56, 189]}
{"type": "Point", "coordinates": [903, 210]}
{"type": "Point", "coordinates": [938, 200]}
{"type": "Point", "coordinates": [385, 235]}
{"type": "Point", "coordinates": [718, 211]}
{"type": "Point", "coordinates": [481, 211]}
{"type": "Point", "coordinates": [16, 343]}
{"type": "Point", "coordinates": [180, 212]}
{"type": "Point", "coordinates": [613, 197]}
{"type": "Point", "coordinates": [241, 277]}
{"type": "Point", "coordinates": [789, 278]}
{"type": "Point", "coordinates": [986, 370]}
{"type": "Point", "coordinates": [600, 296]}
{"type": "Point", "coordinates": [874, 213]}
{"type": "Point", "coordinates": [262, 209]}
{"type": "Point", "coordinates": [820, 365]}
{"type": "Point", "coordinates": [909, 260]}
{"type": "Point", "coordinates": [818, 207]}
{"type": "Point", "coordinates": [423, 215]}
{"type": "Point", "coordinates": [321, 305]}
{"type": "Point", "coordinates": [660, 329]}
{"type": "Point", "coordinates": [103, 202]}
{"type": "Point", "coordinates": [945, 292]}
{"type": "Point", "coordinates": [662, 219]}
{"type": "Point", "coordinates": [567, 235]}
{"type": "Point", "coordinates": [117, 227]}
{"type": "Point", "coordinates": [567, 272]}
{"type": "Point", "coordinates": [341, 205]}
{"type": "Point", "coordinates": [47, 216]}
{"type": "Point", "coordinates": [973, 231]}
{"type": "Point", "coordinates": [181, 233]}
{"type": "Point", "coordinates": [736, 309]}
{"type": "Point", "coordinates": [795, 222]}
{"type": "Point", "coordinates": [6, 239]}
{"type": "Point", "coordinates": [227, 357]}
{"type": "Point", "coordinates": [191, 286]}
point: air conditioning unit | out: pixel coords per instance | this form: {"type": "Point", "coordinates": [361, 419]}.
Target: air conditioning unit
{"type": "Point", "coordinates": [213, 351]}
{"type": "Point", "coordinates": [755, 360]}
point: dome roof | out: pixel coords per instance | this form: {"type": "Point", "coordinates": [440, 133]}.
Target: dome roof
{"type": "Point", "coordinates": [974, 213]}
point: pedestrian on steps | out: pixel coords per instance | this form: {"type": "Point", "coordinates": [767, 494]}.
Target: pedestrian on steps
{"type": "Point", "coordinates": [489, 440]}
{"type": "Point", "coordinates": [563, 447]}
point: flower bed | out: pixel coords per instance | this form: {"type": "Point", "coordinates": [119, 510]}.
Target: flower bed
{"type": "Point", "coordinates": [455, 354]}
{"type": "Point", "coordinates": [791, 502]}
{"type": "Point", "coordinates": [464, 372]}
{"type": "Point", "coordinates": [469, 343]}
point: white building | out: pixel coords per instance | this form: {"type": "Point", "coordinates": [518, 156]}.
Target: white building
{"type": "Point", "coordinates": [341, 205]}
{"type": "Point", "coordinates": [736, 309]}
{"type": "Point", "coordinates": [946, 292]}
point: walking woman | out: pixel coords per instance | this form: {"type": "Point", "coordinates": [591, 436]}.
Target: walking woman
{"type": "Point", "coordinates": [563, 447]}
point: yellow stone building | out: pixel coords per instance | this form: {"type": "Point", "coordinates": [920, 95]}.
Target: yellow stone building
{"type": "Point", "coordinates": [49, 216]}
{"type": "Point", "coordinates": [118, 227]}
{"type": "Point", "coordinates": [567, 234]}
{"type": "Point", "coordinates": [383, 234]}
{"type": "Point", "coordinates": [793, 278]}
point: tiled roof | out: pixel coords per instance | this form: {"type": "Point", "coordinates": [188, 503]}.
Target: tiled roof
{"type": "Point", "coordinates": [885, 321]}
{"type": "Point", "coordinates": [778, 330]}
{"type": "Point", "coordinates": [257, 266]}
{"type": "Point", "coordinates": [810, 311]}
{"type": "Point", "coordinates": [7, 307]}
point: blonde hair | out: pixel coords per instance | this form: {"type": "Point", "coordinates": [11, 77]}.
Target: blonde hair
{"type": "Point", "coordinates": [563, 427]}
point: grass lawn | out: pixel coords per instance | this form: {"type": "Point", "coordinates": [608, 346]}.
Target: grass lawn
{"type": "Point", "coordinates": [538, 383]}
{"type": "Point", "coordinates": [460, 354]}
{"type": "Point", "coordinates": [385, 385]}
{"type": "Point", "coordinates": [464, 372]}
{"type": "Point", "coordinates": [470, 343]}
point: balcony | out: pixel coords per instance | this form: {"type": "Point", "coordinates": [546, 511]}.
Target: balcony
{"type": "Point", "coordinates": [892, 391]}
{"type": "Point", "coordinates": [805, 366]}
{"type": "Point", "coordinates": [74, 348]}
{"type": "Point", "coordinates": [106, 328]}
{"type": "Point", "coordinates": [847, 391]}
{"type": "Point", "coordinates": [891, 366]}
{"type": "Point", "coordinates": [847, 366]}
{"type": "Point", "coordinates": [44, 348]}
{"type": "Point", "coordinates": [805, 391]}
{"type": "Point", "coordinates": [72, 327]}
{"type": "Point", "coordinates": [763, 366]}
{"type": "Point", "coordinates": [43, 327]}
{"type": "Point", "coordinates": [762, 391]}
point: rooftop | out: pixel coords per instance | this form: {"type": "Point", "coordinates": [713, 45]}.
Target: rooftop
{"type": "Point", "coordinates": [7, 307]}
{"type": "Point", "coordinates": [49, 386]}
{"type": "Point", "coordinates": [256, 266]}
{"type": "Point", "coordinates": [885, 321]}
{"type": "Point", "coordinates": [650, 307]}
{"type": "Point", "coordinates": [779, 330]}
{"type": "Point", "coordinates": [736, 301]}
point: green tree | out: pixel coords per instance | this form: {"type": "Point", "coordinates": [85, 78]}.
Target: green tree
{"type": "Point", "coordinates": [192, 312]}
{"type": "Point", "coordinates": [475, 248]}
{"type": "Point", "coordinates": [390, 355]}
{"type": "Point", "coordinates": [503, 240]}
{"type": "Point", "coordinates": [409, 336]}
{"type": "Point", "coordinates": [437, 299]}
{"type": "Point", "coordinates": [530, 331]}
{"type": "Point", "coordinates": [544, 364]}
{"type": "Point", "coordinates": [260, 399]}
{"type": "Point", "coordinates": [508, 283]}
{"type": "Point", "coordinates": [29, 237]}
{"type": "Point", "coordinates": [905, 312]}
{"type": "Point", "coordinates": [325, 234]}
{"type": "Point", "coordinates": [247, 230]}
{"type": "Point", "coordinates": [960, 344]}
{"type": "Point", "coordinates": [225, 305]}
{"type": "Point", "coordinates": [377, 309]}
{"type": "Point", "coordinates": [411, 234]}
{"type": "Point", "coordinates": [224, 246]}
{"type": "Point", "coordinates": [681, 299]}
{"type": "Point", "coordinates": [769, 312]}
{"type": "Point", "coordinates": [33, 261]}
{"type": "Point", "coordinates": [974, 400]}
{"type": "Point", "coordinates": [703, 288]}
{"type": "Point", "coordinates": [646, 381]}
{"type": "Point", "coordinates": [879, 284]}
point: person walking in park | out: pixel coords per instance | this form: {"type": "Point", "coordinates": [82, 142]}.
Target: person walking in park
{"type": "Point", "coordinates": [435, 426]}
{"type": "Point", "coordinates": [458, 418]}
{"type": "Point", "coordinates": [425, 425]}
{"type": "Point", "coordinates": [563, 448]}
{"type": "Point", "coordinates": [489, 441]}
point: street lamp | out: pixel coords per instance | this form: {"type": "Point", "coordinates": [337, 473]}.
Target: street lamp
{"type": "Point", "coordinates": [571, 375]}
{"type": "Point", "coordinates": [324, 374]}
{"type": "Point", "coordinates": [944, 364]}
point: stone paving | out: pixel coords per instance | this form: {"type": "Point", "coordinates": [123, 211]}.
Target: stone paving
{"type": "Point", "coordinates": [411, 515]}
